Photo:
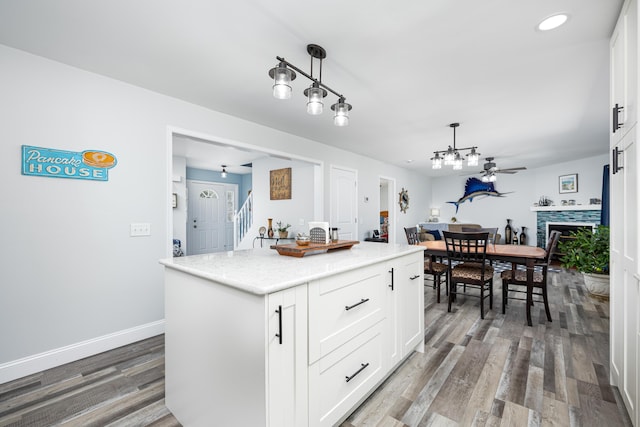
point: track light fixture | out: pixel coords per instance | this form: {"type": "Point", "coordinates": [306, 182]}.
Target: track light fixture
{"type": "Point", "coordinates": [283, 74]}
{"type": "Point", "coordinates": [452, 157]}
{"type": "Point", "coordinates": [223, 174]}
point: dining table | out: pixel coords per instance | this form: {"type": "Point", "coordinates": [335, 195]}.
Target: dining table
{"type": "Point", "coordinates": [515, 254]}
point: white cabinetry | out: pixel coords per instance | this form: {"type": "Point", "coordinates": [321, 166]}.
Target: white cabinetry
{"type": "Point", "coordinates": [306, 355]}
{"type": "Point", "coordinates": [409, 284]}
{"type": "Point", "coordinates": [361, 325]}
{"type": "Point", "coordinates": [624, 72]}
{"type": "Point", "coordinates": [624, 266]}
{"type": "Point", "coordinates": [287, 361]}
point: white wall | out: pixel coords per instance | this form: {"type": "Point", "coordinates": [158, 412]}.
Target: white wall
{"type": "Point", "coordinates": [72, 280]}
{"type": "Point", "coordinates": [524, 189]}
{"type": "Point", "coordinates": [179, 186]}
{"type": "Point", "coordinates": [291, 211]}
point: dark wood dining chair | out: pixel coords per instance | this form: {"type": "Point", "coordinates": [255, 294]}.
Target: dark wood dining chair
{"type": "Point", "coordinates": [468, 266]}
{"type": "Point", "coordinates": [435, 269]}
{"type": "Point", "coordinates": [514, 281]}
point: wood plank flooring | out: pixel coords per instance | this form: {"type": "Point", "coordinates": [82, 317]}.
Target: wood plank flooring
{"type": "Point", "coordinates": [493, 372]}
{"type": "Point", "coordinates": [500, 372]}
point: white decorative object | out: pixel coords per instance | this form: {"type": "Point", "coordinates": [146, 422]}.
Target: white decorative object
{"type": "Point", "coordinates": [319, 232]}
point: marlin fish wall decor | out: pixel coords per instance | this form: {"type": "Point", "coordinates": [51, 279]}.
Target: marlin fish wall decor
{"type": "Point", "coordinates": [476, 188]}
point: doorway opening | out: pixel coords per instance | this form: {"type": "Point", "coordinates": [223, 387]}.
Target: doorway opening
{"type": "Point", "coordinates": [196, 155]}
{"type": "Point", "coordinates": [387, 217]}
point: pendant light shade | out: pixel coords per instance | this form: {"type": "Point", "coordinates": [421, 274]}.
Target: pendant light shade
{"type": "Point", "coordinates": [473, 157]}
{"type": "Point", "coordinates": [223, 174]}
{"type": "Point", "coordinates": [314, 95]}
{"type": "Point", "coordinates": [449, 156]}
{"type": "Point", "coordinates": [282, 77]}
{"type": "Point", "coordinates": [341, 109]}
{"type": "Point", "coordinates": [436, 162]}
{"type": "Point", "coordinates": [457, 161]}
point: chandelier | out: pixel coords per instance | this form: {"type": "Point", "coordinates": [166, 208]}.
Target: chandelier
{"type": "Point", "coordinates": [452, 157]}
{"type": "Point", "coordinates": [283, 75]}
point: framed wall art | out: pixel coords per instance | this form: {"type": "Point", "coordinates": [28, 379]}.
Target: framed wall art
{"type": "Point", "coordinates": [568, 183]}
{"type": "Point", "coordinates": [280, 184]}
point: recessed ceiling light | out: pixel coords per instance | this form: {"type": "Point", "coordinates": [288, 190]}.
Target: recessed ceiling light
{"type": "Point", "coordinates": [553, 22]}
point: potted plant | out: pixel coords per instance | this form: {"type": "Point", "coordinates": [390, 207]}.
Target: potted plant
{"type": "Point", "coordinates": [283, 230]}
{"type": "Point", "coordinates": [588, 252]}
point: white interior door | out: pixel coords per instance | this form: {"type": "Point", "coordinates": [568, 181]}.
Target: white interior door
{"type": "Point", "coordinates": [344, 202]}
{"type": "Point", "coordinates": [205, 217]}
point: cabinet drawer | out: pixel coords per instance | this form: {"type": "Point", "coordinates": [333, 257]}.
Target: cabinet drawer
{"type": "Point", "coordinates": [343, 306]}
{"type": "Point", "coordinates": [331, 396]}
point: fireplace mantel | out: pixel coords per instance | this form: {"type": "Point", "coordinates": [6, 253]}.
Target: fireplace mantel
{"type": "Point", "coordinates": [566, 208]}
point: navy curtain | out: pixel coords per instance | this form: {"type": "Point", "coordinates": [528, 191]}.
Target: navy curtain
{"type": "Point", "coordinates": [604, 214]}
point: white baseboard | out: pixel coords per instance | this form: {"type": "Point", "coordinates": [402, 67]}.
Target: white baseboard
{"type": "Point", "coordinates": [49, 359]}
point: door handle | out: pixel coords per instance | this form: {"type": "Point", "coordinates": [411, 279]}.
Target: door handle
{"type": "Point", "coordinates": [391, 285]}
{"type": "Point", "coordinates": [616, 121]}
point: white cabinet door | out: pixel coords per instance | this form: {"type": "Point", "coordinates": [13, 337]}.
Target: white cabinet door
{"type": "Point", "coordinates": [394, 352]}
{"type": "Point", "coordinates": [623, 74]}
{"type": "Point", "coordinates": [625, 296]}
{"type": "Point", "coordinates": [409, 284]}
{"type": "Point", "coordinates": [287, 358]}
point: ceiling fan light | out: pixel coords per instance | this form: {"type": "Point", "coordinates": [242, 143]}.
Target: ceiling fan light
{"type": "Point", "coordinates": [485, 178]}
{"type": "Point", "coordinates": [282, 77]}
{"type": "Point", "coordinates": [492, 178]}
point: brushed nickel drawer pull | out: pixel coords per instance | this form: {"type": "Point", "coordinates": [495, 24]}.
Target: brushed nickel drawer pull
{"type": "Point", "coordinates": [414, 277]}
{"type": "Point", "coordinates": [362, 301]}
{"type": "Point", "coordinates": [362, 366]}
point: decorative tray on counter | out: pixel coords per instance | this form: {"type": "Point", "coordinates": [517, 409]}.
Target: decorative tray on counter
{"type": "Point", "coordinates": [312, 248]}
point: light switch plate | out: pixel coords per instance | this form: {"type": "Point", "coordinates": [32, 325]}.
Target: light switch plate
{"type": "Point", "coordinates": [140, 229]}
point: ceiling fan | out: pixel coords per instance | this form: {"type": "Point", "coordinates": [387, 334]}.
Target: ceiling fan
{"type": "Point", "coordinates": [490, 170]}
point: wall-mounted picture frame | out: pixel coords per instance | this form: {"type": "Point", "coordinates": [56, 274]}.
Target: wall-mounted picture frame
{"type": "Point", "coordinates": [174, 200]}
{"type": "Point", "coordinates": [568, 183]}
{"type": "Point", "coordinates": [280, 184]}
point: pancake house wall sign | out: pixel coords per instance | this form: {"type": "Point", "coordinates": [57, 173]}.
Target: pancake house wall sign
{"type": "Point", "coordinates": [89, 164]}
{"type": "Point", "coordinates": [280, 180]}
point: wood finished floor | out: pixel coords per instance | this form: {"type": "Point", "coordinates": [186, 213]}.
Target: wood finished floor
{"type": "Point", "coordinates": [494, 372]}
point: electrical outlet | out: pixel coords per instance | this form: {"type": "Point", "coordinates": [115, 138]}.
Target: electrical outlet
{"type": "Point", "coordinates": [140, 229]}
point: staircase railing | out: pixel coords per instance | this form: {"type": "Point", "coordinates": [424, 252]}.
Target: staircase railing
{"type": "Point", "coordinates": [243, 220]}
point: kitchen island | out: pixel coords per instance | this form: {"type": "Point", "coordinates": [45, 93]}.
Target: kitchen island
{"type": "Point", "coordinates": [258, 339]}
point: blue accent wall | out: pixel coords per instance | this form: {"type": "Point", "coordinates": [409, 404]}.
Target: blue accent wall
{"type": "Point", "coordinates": [244, 181]}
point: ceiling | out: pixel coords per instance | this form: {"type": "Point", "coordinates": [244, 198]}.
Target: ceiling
{"type": "Point", "coordinates": [409, 68]}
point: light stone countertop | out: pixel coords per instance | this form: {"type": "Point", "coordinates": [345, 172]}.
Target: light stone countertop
{"type": "Point", "coordinates": [264, 271]}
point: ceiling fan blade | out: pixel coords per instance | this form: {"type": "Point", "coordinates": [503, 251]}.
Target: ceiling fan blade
{"type": "Point", "coordinates": [511, 170]}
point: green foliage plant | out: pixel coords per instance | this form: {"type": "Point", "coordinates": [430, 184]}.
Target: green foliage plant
{"type": "Point", "coordinates": [586, 251]}
{"type": "Point", "coordinates": [281, 227]}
